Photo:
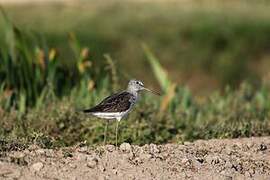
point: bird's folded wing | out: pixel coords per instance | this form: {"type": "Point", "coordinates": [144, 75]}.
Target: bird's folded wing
{"type": "Point", "coordinates": [118, 102]}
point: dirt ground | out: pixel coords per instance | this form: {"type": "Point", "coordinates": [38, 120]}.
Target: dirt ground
{"type": "Point", "coordinates": [247, 158]}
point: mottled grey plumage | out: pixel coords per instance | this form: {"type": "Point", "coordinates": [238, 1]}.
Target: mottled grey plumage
{"type": "Point", "coordinates": [118, 102]}
{"type": "Point", "coordinates": [118, 105]}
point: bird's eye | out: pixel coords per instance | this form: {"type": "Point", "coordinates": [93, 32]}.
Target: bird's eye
{"type": "Point", "coordinates": [137, 82]}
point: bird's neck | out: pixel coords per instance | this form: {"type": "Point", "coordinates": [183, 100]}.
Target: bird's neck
{"type": "Point", "coordinates": [132, 91]}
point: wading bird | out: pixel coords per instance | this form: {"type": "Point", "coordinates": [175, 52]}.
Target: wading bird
{"type": "Point", "coordinates": [118, 105]}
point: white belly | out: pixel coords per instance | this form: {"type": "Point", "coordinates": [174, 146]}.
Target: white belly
{"type": "Point", "coordinates": [111, 115]}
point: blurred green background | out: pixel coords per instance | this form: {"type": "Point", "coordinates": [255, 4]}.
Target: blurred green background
{"type": "Point", "coordinates": [195, 52]}
{"type": "Point", "coordinates": [198, 43]}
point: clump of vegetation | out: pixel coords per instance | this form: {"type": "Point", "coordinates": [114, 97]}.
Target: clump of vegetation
{"type": "Point", "coordinates": [241, 113]}
{"type": "Point", "coordinates": [30, 71]}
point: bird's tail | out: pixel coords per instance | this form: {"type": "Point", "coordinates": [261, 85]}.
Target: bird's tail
{"type": "Point", "coordinates": [87, 111]}
{"type": "Point", "coordinates": [82, 110]}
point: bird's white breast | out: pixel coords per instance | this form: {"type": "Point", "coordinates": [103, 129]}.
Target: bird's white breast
{"type": "Point", "coordinates": [111, 115]}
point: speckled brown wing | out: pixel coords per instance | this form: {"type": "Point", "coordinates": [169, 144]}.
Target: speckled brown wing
{"type": "Point", "coordinates": [118, 102]}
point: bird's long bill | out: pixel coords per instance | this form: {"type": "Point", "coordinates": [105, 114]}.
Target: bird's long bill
{"type": "Point", "coordinates": [154, 92]}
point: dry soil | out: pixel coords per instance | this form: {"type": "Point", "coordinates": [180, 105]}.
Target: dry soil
{"type": "Point", "coordinates": [247, 158]}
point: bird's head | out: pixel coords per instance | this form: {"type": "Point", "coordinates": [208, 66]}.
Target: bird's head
{"type": "Point", "coordinates": [136, 85]}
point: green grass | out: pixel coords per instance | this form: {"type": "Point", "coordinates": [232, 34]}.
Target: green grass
{"type": "Point", "coordinates": [241, 113]}
{"type": "Point", "coordinates": [49, 71]}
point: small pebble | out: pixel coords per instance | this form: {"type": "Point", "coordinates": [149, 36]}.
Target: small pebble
{"type": "Point", "coordinates": [92, 161]}
{"type": "Point", "coordinates": [187, 143]}
{"type": "Point", "coordinates": [125, 147]}
{"type": "Point", "coordinates": [154, 149]}
{"type": "Point", "coordinates": [37, 166]}
{"type": "Point", "coordinates": [110, 148]}
{"type": "Point", "coordinates": [33, 147]}
{"type": "Point", "coordinates": [228, 164]}
{"type": "Point", "coordinates": [81, 156]}
{"type": "Point", "coordinates": [247, 174]}
{"type": "Point", "coordinates": [102, 168]}
{"type": "Point", "coordinates": [114, 171]}
{"type": "Point", "coordinates": [40, 151]}
{"type": "Point", "coordinates": [185, 161]}
{"type": "Point", "coordinates": [145, 157]}
{"type": "Point", "coordinates": [91, 164]}
{"type": "Point", "coordinates": [18, 155]}
{"type": "Point", "coordinates": [208, 159]}
{"type": "Point", "coordinates": [262, 147]}
{"type": "Point", "coordinates": [215, 160]}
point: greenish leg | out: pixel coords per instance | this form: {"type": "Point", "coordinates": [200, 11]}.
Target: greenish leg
{"type": "Point", "coordinates": [116, 132]}
{"type": "Point", "coordinates": [105, 133]}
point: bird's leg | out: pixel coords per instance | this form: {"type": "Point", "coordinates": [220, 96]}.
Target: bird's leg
{"type": "Point", "coordinates": [105, 133]}
{"type": "Point", "coordinates": [116, 132]}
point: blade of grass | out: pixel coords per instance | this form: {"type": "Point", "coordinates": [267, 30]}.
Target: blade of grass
{"type": "Point", "coordinates": [157, 69]}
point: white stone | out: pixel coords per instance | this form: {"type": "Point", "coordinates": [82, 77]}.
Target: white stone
{"type": "Point", "coordinates": [125, 147]}
{"type": "Point", "coordinates": [37, 166]}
